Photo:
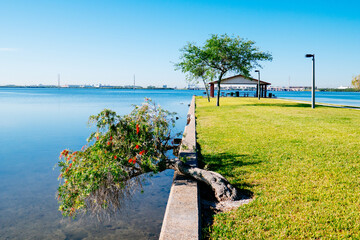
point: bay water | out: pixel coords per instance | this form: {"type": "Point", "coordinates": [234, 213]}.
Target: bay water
{"type": "Point", "coordinates": [339, 98]}
{"type": "Point", "coordinates": [35, 125]}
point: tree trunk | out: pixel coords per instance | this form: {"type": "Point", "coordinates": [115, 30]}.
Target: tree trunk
{"type": "Point", "coordinates": [207, 90]}
{"type": "Point", "coordinates": [218, 94]}
{"type": "Point", "coordinates": [223, 190]}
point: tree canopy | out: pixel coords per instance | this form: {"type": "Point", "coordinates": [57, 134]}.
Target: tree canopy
{"type": "Point", "coordinates": [221, 55]}
{"type": "Point", "coordinates": [107, 170]}
{"type": "Point", "coordinates": [195, 69]}
{"type": "Point", "coordinates": [356, 82]}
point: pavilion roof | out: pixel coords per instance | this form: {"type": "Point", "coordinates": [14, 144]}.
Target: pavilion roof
{"type": "Point", "coordinates": [240, 79]}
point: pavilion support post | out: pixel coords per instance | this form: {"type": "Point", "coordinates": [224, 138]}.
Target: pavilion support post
{"type": "Point", "coordinates": [257, 91]}
{"type": "Point", "coordinates": [212, 91]}
{"type": "Point", "coordinates": [265, 90]}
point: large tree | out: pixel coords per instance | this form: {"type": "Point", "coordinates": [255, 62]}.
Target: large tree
{"type": "Point", "coordinates": [356, 82]}
{"type": "Point", "coordinates": [221, 55]}
{"type": "Point", "coordinates": [117, 155]}
{"type": "Point", "coordinates": [194, 68]}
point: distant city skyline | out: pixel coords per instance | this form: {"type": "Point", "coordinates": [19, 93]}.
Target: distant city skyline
{"type": "Point", "coordinates": [107, 42]}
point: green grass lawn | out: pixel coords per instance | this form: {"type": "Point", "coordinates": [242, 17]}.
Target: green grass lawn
{"type": "Point", "coordinates": [301, 164]}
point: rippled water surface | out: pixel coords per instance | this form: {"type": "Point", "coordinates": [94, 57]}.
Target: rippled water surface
{"type": "Point", "coordinates": [35, 125]}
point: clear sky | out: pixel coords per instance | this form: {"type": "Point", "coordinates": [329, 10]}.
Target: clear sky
{"type": "Point", "coordinates": [90, 42]}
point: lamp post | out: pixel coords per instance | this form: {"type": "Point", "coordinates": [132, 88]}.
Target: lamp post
{"type": "Point", "coordinates": [313, 82]}
{"type": "Point", "coordinates": [258, 71]}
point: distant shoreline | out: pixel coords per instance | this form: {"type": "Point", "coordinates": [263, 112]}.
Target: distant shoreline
{"type": "Point", "coordinates": [89, 87]}
{"type": "Point", "coordinates": [162, 88]}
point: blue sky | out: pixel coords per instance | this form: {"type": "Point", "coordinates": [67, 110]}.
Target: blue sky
{"type": "Point", "coordinates": [90, 42]}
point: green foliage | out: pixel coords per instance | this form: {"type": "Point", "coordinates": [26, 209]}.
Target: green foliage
{"type": "Point", "coordinates": [356, 82]}
{"type": "Point", "coordinates": [232, 54]}
{"type": "Point", "coordinates": [301, 164]}
{"type": "Point", "coordinates": [219, 56]}
{"type": "Point", "coordinates": [194, 68]}
{"type": "Point", "coordinates": [123, 147]}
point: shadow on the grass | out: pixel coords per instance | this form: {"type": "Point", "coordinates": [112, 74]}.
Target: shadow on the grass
{"type": "Point", "coordinates": [290, 105]}
{"type": "Point", "coordinates": [298, 105]}
{"type": "Point", "coordinates": [223, 163]}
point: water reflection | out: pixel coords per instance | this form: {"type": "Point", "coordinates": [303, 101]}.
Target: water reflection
{"type": "Point", "coordinates": [35, 125]}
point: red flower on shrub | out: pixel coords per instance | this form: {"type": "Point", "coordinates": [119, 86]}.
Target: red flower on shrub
{"type": "Point", "coordinates": [115, 157]}
{"type": "Point", "coordinates": [142, 152]}
{"type": "Point", "coordinates": [137, 146]}
{"type": "Point", "coordinates": [111, 138]}
{"type": "Point", "coordinates": [137, 129]}
{"type": "Point", "coordinates": [64, 153]}
{"type": "Point", "coordinates": [97, 138]}
{"type": "Point", "coordinates": [108, 143]}
{"type": "Point", "coordinates": [132, 160]}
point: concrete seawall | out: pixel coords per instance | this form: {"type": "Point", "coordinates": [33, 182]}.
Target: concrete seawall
{"type": "Point", "coordinates": [182, 215]}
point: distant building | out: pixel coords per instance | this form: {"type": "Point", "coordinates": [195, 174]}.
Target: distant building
{"type": "Point", "coordinates": [290, 88]}
{"type": "Point", "coordinates": [192, 87]}
{"type": "Point", "coordinates": [342, 87]}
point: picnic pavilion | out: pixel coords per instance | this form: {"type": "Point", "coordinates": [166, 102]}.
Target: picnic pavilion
{"type": "Point", "coordinates": [241, 80]}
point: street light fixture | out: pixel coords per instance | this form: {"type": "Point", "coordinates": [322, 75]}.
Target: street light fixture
{"type": "Point", "coordinates": [258, 93]}
{"type": "Point", "coordinates": [313, 83]}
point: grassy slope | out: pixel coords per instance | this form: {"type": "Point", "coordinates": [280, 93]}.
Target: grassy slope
{"type": "Point", "coordinates": [302, 164]}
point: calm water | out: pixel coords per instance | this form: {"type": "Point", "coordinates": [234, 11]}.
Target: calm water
{"type": "Point", "coordinates": [341, 98]}
{"type": "Point", "coordinates": [35, 125]}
